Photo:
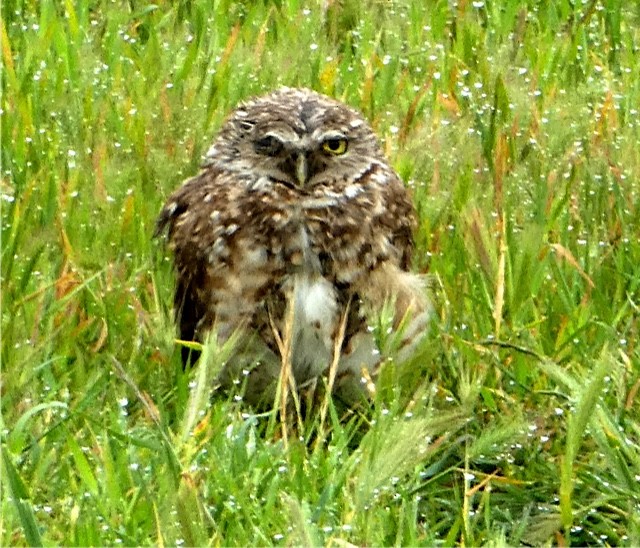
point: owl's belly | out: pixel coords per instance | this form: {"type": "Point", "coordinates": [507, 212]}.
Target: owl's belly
{"type": "Point", "coordinates": [315, 300]}
{"type": "Point", "coordinates": [295, 283]}
{"type": "Point", "coordinates": [316, 318]}
{"type": "Point", "coordinates": [316, 332]}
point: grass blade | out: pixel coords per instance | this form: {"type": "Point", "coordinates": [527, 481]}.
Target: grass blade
{"type": "Point", "coordinates": [21, 501]}
{"type": "Point", "coordinates": [585, 411]}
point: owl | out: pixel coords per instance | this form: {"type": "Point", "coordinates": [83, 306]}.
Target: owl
{"type": "Point", "coordinates": [293, 237]}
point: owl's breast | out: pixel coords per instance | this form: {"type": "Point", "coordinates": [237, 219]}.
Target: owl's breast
{"type": "Point", "coordinates": [280, 232]}
{"type": "Point", "coordinates": [342, 240]}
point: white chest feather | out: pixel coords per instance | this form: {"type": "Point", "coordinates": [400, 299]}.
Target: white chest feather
{"type": "Point", "coordinates": [316, 316]}
{"type": "Point", "coordinates": [315, 301]}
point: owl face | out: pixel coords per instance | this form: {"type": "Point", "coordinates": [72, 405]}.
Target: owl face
{"type": "Point", "coordinates": [313, 141]}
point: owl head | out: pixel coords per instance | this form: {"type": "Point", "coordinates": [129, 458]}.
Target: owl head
{"type": "Point", "coordinates": [295, 137]}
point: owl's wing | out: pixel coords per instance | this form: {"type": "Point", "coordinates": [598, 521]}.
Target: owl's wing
{"type": "Point", "coordinates": [400, 217]}
{"type": "Point", "coordinates": [190, 224]}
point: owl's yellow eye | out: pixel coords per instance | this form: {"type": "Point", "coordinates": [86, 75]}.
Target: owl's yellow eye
{"type": "Point", "coordinates": [335, 146]}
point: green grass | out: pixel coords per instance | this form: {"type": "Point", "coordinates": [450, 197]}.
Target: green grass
{"type": "Point", "coordinates": [516, 125]}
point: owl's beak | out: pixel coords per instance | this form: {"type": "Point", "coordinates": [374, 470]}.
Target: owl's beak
{"type": "Point", "coordinates": [302, 169]}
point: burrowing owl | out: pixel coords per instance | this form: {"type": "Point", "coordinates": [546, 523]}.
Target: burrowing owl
{"type": "Point", "coordinates": [295, 226]}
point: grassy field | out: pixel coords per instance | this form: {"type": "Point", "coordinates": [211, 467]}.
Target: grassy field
{"type": "Point", "coordinates": [517, 126]}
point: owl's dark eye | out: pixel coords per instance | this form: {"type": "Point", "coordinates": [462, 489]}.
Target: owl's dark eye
{"type": "Point", "coordinates": [335, 146]}
{"type": "Point", "coordinates": [268, 146]}
{"type": "Point", "coordinates": [246, 125]}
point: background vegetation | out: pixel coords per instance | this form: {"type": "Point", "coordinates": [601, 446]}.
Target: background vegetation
{"type": "Point", "coordinates": [515, 123]}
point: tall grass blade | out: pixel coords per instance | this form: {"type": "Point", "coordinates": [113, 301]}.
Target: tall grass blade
{"type": "Point", "coordinates": [585, 410]}
{"type": "Point", "coordinates": [21, 501]}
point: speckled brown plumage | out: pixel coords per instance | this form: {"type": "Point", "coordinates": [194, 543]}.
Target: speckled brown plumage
{"type": "Point", "coordinates": [295, 206]}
